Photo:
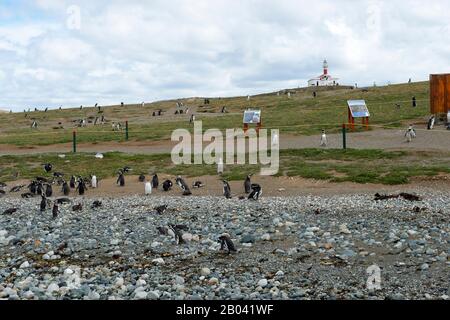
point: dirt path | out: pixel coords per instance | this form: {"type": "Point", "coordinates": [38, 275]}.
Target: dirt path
{"type": "Point", "coordinates": [272, 187]}
{"type": "Point", "coordinates": [436, 140]}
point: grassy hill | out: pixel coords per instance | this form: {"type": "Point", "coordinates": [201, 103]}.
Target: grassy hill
{"type": "Point", "coordinates": [302, 114]}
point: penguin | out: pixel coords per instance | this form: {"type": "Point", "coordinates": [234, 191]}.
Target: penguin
{"type": "Point", "coordinates": [431, 123]}
{"type": "Point", "coordinates": [65, 188]}
{"type": "Point", "coordinates": [48, 167]}
{"type": "Point", "coordinates": [182, 184]}
{"type": "Point", "coordinates": [198, 185]}
{"type": "Point", "coordinates": [248, 184]}
{"type": "Point", "coordinates": [167, 185]}
{"type": "Point", "coordinates": [72, 182]}
{"type": "Point", "coordinates": [161, 209]}
{"type": "Point", "coordinates": [27, 195]}
{"type": "Point", "coordinates": [43, 205]}
{"type": "Point", "coordinates": [121, 179]}
{"type": "Point", "coordinates": [323, 139]}
{"type": "Point", "coordinates": [410, 134]}
{"type": "Point", "coordinates": [48, 191]}
{"type": "Point", "coordinates": [94, 182]}
{"type": "Point", "coordinates": [148, 188]}
{"type": "Point", "coordinates": [16, 189]}
{"type": "Point", "coordinates": [226, 243]}
{"type": "Point", "coordinates": [96, 204]}
{"type": "Point", "coordinates": [58, 174]}
{"type": "Point", "coordinates": [63, 200]}
{"type": "Point", "coordinates": [141, 178]}
{"type": "Point", "coordinates": [77, 207]}
{"type": "Point", "coordinates": [10, 211]}
{"type": "Point", "coordinates": [178, 234]}
{"type": "Point", "coordinates": [2, 193]}
{"type": "Point", "coordinates": [55, 210]}
{"type": "Point", "coordinates": [155, 181]}
{"type": "Point", "coordinates": [39, 188]}
{"type": "Point", "coordinates": [226, 189]}
{"type": "Point", "coordinates": [126, 169]}
{"type": "Point", "coordinates": [81, 186]}
{"type": "Point", "coordinates": [256, 192]}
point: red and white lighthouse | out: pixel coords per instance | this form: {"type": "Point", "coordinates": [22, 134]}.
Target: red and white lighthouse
{"type": "Point", "coordinates": [325, 67]}
{"type": "Point", "coordinates": [325, 79]}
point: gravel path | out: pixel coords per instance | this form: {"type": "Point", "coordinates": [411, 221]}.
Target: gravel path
{"type": "Point", "coordinates": [308, 247]}
{"type": "Point", "coordinates": [436, 140]}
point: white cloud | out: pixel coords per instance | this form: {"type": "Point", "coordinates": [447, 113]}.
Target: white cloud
{"type": "Point", "coordinates": [134, 50]}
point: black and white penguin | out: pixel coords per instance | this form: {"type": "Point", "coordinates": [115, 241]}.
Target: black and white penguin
{"type": "Point", "coordinates": [65, 188]}
{"type": "Point", "coordinates": [198, 185]}
{"type": "Point", "coordinates": [96, 204]}
{"type": "Point", "coordinates": [55, 210]}
{"type": "Point", "coordinates": [256, 192]}
{"type": "Point", "coordinates": [161, 209]}
{"type": "Point", "coordinates": [323, 139]}
{"type": "Point", "coordinates": [183, 185]}
{"type": "Point", "coordinates": [16, 189]}
{"type": "Point", "coordinates": [77, 207]}
{"type": "Point", "coordinates": [94, 181]}
{"type": "Point", "coordinates": [178, 234]}
{"type": "Point", "coordinates": [58, 174]}
{"type": "Point", "coordinates": [226, 244]}
{"type": "Point", "coordinates": [39, 188]}
{"type": "Point", "coordinates": [121, 179]}
{"type": "Point", "coordinates": [248, 184]}
{"type": "Point", "coordinates": [48, 190]}
{"type": "Point", "coordinates": [155, 181]}
{"type": "Point", "coordinates": [167, 185]}
{"type": "Point", "coordinates": [226, 189]}
{"type": "Point", "coordinates": [48, 167]}
{"type": "Point", "coordinates": [141, 178]}
{"type": "Point", "coordinates": [43, 205]}
{"type": "Point", "coordinates": [431, 123]}
{"type": "Point", "coordinates": [72, 182]}
{"type": "Point", "coordinates": [81, 187]}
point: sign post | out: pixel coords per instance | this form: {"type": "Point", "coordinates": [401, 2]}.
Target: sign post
{"type": "Point", "coordinates": [358, 109]}
{"type": "Point", "coordinates": [252, 117]}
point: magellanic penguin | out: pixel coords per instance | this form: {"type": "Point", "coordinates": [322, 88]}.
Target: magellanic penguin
{"type": "Point", "coordinates": [256, 192]}
{"type": "Point", "coordinates": [323, 139]}
{"type": "Point", "coordinates": [55, 210]}
{"type": "Point", "coordinates": [148, 188]}
{"type": "Point", "coordinates": [431, 123]}
{"type": "Point", "coordinates": [141, 178]}
{"type": "Point", "coordinates": [226, 189]}
{"type": "Point", "coordinates": [226, 244]}
{"type": "Point", "coordinates": [48, 167]}
{"type": "Point", "coordinates": [72, 182]}
{"type": "Point", "coordinates": [155, 181]}
{"type": "Point", "coordinates": [81, 186]}
{"type": "Point", "coordinates": [121, 179]}
{"type": "Point", "coordinates": [183, 185]}
{"type": "Point", "coordinates": [43, 205]}
{"type": "Point", "coordinates": [248, 184]}
{"type": "Point", "coordinates": [94, 182]}
{"type": "Point", "coordinates": [167, 185]}
{"type": "Point", "coordinates": [178, 234]}
{"type": "Point", "coordinates": [48, 190]}
{"type": "Point", "coordinates": [410, 134]}
{"type": "Point", "coordinates": [65, 188]}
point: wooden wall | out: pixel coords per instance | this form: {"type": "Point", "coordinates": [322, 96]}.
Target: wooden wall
{"type": "Point", "coordinates": [439, 93]}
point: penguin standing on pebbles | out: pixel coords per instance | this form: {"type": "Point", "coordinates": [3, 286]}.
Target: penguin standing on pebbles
{"type": "Point", "coordinates": [121, 179]}
{"type": "Point", "coordinates": [177, 233]}
{"type": "Point", "coordinates": [248, 184]}
{"type": "Point", "coordinates": [48, 190]}
{"type": "Point", "coordinates": [226, 243]}
{"type": "Point", "coordinates": [141, 178]}
{"type": "Point", "coordinates": [226, 189]}
{"type": "Point", "coordinates": [431, 123]}
{"type": "Point", "coordinates": [256, 192]}
{"type": "Point", "coordinates": [155, 181]}
{"type": "Point", "coordinates": [323, 139]}
{"type": "Point", "coordinates": [55, 210]}
{"type": "Point", "coordinates": [43, 205]}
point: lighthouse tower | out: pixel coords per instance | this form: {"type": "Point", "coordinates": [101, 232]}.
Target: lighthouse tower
{"type": "Point", "coordinates": [325, 79]}
{"type": "Point", "coordinates": [325, 67]}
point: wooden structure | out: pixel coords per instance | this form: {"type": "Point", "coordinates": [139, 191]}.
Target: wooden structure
{"type": "Point", "coordinates": [358, 109]}
{"type": "Point", "coordinates": [439, 94]}
{"type": "Point", "coordinates": [252, 117]}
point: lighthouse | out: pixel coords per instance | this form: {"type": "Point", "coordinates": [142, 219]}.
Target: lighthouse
{"type": "Point", "coordinates": [325, 79]}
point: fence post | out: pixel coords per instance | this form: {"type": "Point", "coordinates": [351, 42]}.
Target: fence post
{"type": "Point", "coordinates": [126, 130]}
{"type": "Point", "coordinates": [74, 140]}
{"type": "Point", "coordinates": [344, 137]}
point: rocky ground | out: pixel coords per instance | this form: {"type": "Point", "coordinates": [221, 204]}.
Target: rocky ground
{"type": "Point", "coordinates": [305, 247]}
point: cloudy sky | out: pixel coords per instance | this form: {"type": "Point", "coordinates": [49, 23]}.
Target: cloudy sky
{"type": "Point", "coordinates": [58, 52]}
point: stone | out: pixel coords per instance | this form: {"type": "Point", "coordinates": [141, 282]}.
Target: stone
{"type": "Point", "coordinates": [263, 283]}
{"type": "Point", "coordinates": [213, 281]}
{"type": "Point", "coordinates": [265, 237]}
{"type": "Point", "coordinates": [53, 287]}
{"type": "Point", "coordinates": [25, 265]}
{"type": "Point", "coordinates": [205, 272]}
{"type": "Point", "coordinates": [158, 261]}
{"type": "Point", "coordinates": [140, 295]}
{"type": "Point", "coordinates": [248, 239]}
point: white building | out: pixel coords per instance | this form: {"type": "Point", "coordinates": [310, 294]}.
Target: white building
{"type": "Point", "coordinates": [325, 79]}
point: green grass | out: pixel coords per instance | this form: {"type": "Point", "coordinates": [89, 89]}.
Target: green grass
{"type": "Point", "coordinates": [360, 166]}
{"type": "Point", "coordinates": [302, 114]}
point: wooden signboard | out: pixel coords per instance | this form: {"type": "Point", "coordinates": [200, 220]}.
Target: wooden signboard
{"type": "Point", "coordinates": [439, 93]}
{"type": "Point", "coordinates": [252, 117]}
{"type": "Point", "coordinates": [358, 109]}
